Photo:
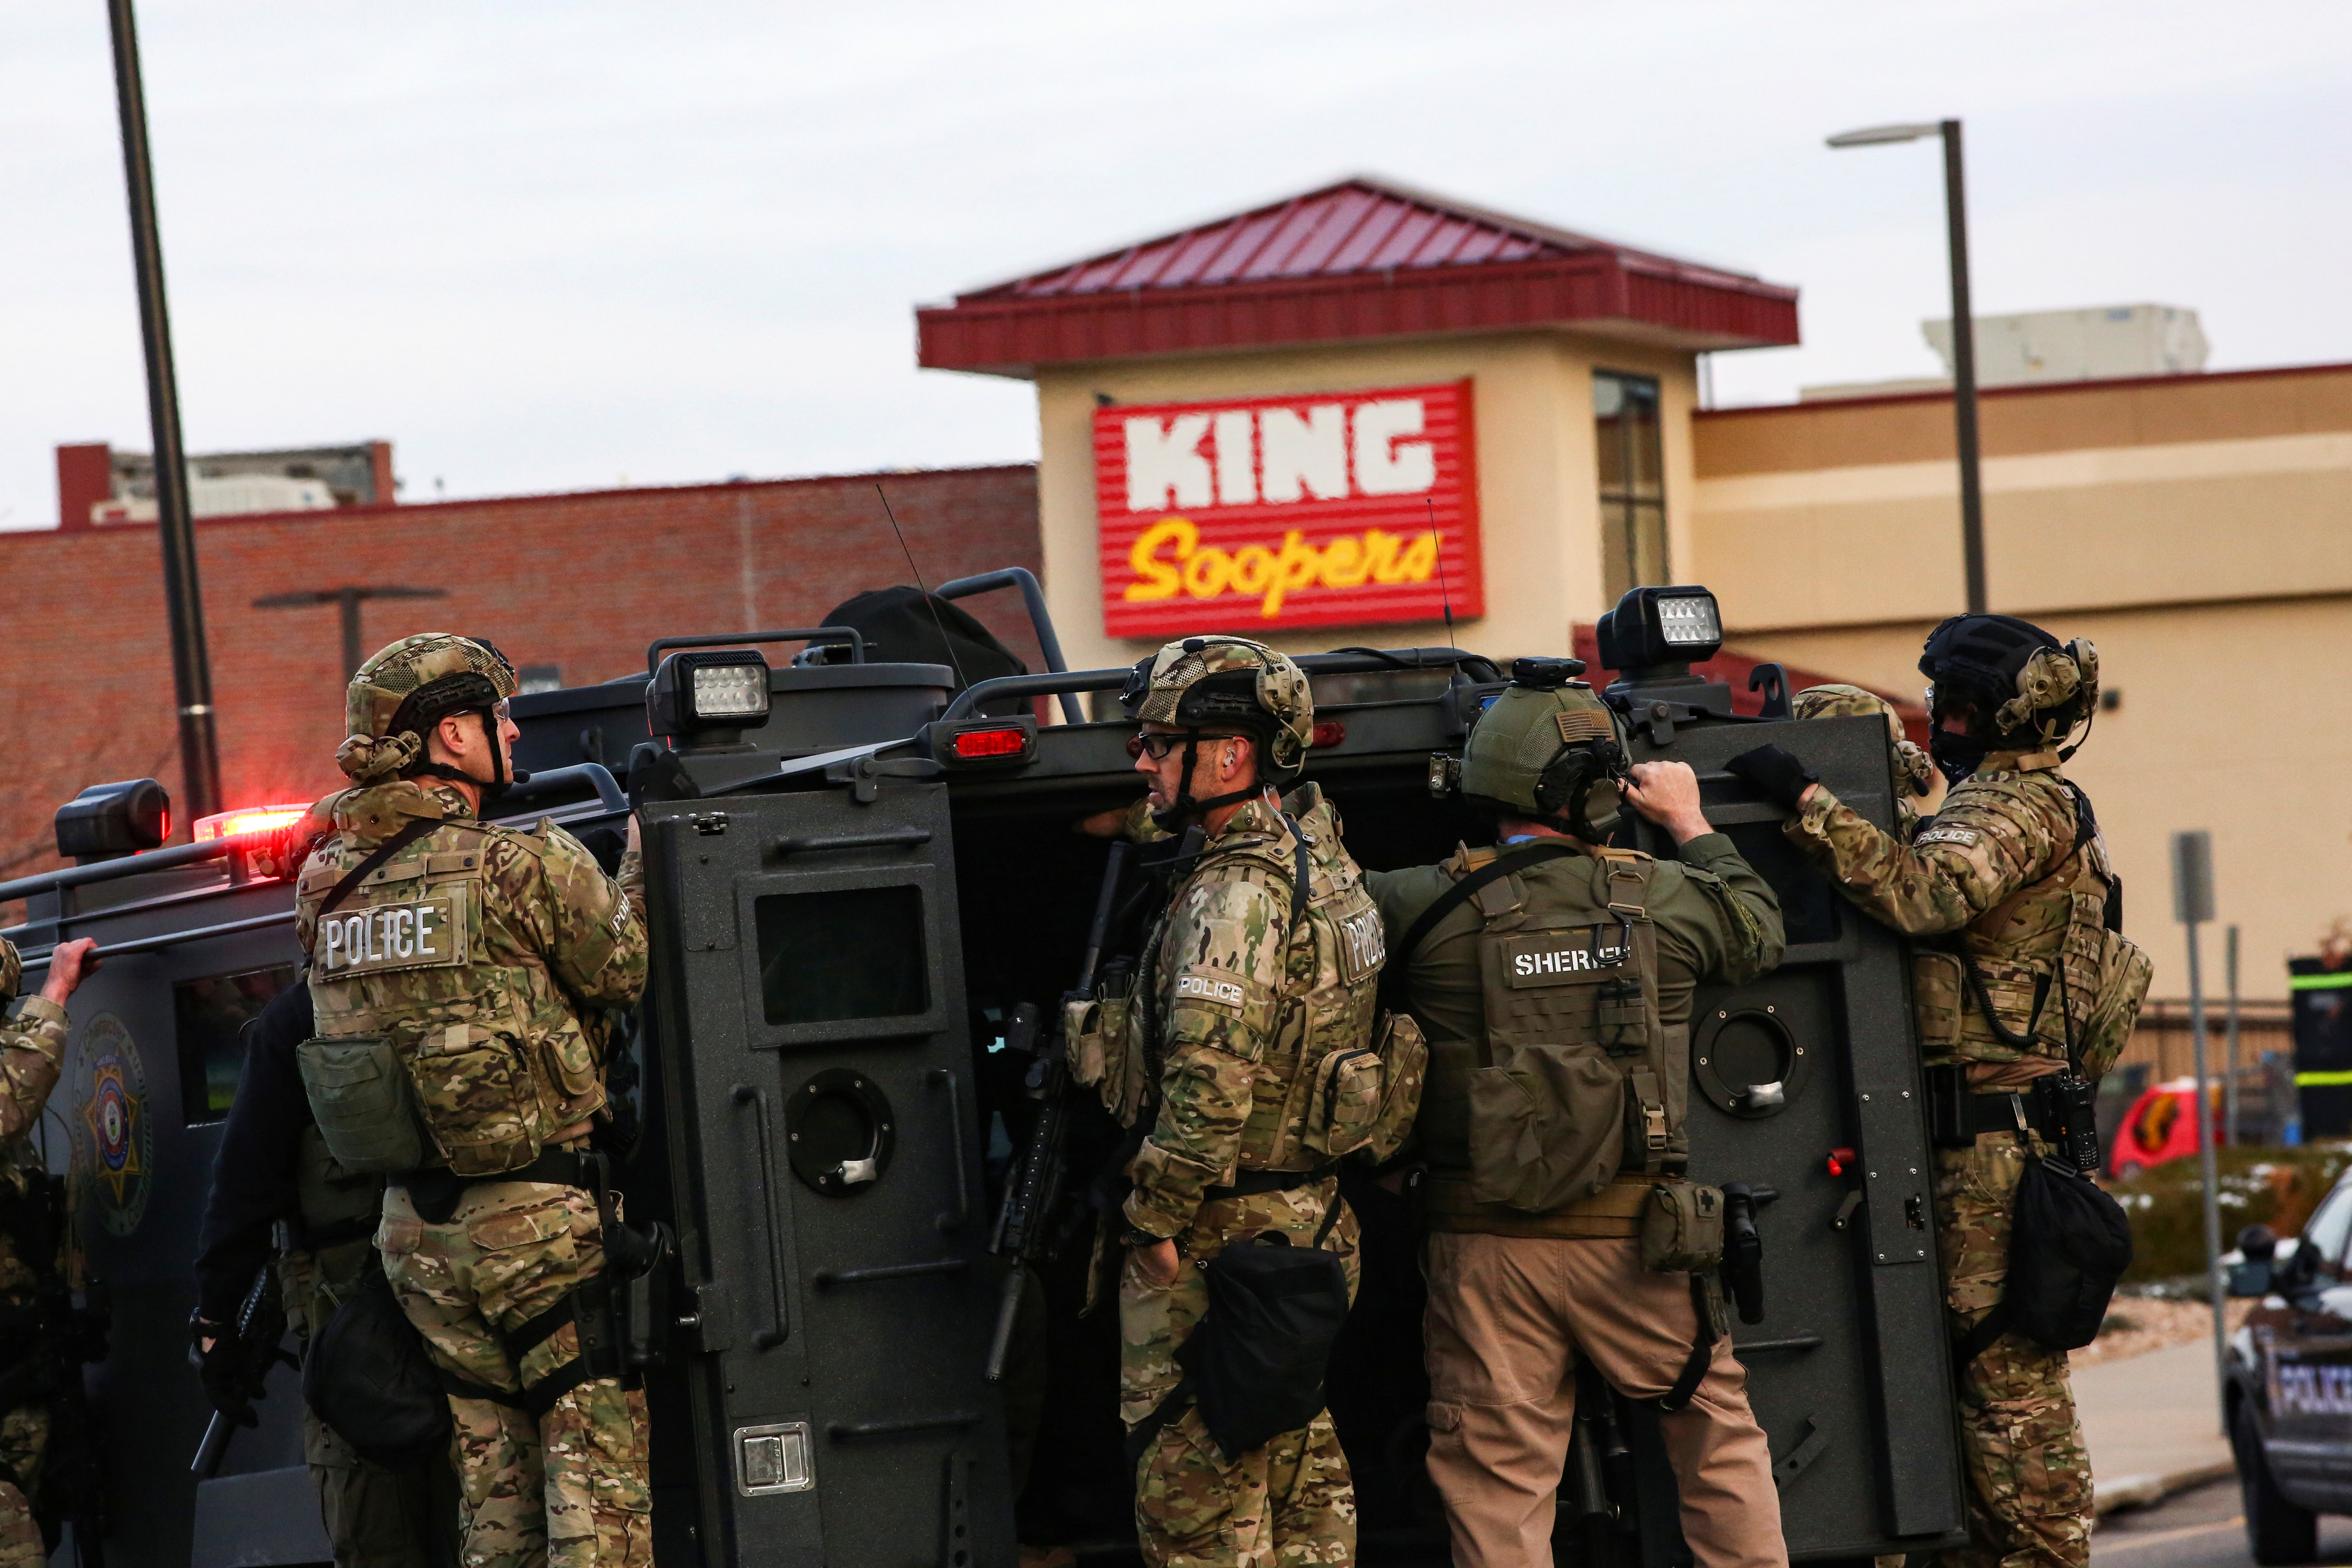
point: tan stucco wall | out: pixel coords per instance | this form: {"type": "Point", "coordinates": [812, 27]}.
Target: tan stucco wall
{"type": "Point", "coordinates": [1538, 508]}
{"type": "Point", "coordinates": [2194, 529]}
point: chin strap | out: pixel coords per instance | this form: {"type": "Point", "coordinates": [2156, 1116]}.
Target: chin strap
{"type": "Point", "coordinates": [1187, 810]}
{"type": "Point", "coordinates": [497, 784]}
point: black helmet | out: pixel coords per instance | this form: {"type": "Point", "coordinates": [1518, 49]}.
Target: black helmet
{"type": "Point", "coordinates": [2027, 687]}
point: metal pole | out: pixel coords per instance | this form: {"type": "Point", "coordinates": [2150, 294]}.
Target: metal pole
{"type": "Point", "coordinates": [2205, 1163]}
{"type": "Point", "coordinates": [350, 599]}
{"type": "Point", "coordinates": [2230, 1130]}
{"type": "Point", "coordinates": [1964, 371]}
{"type": "Point", "coordinates": [192, 677]}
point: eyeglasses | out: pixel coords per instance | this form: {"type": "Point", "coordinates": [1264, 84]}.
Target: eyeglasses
{"type": "Point", "coordinates": [1160, 745]}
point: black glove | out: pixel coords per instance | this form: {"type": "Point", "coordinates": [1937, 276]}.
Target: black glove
{"type": "Point", "coordinates": [1775, 774]}
{"type": "Point", "coordinates": [229, 1385]}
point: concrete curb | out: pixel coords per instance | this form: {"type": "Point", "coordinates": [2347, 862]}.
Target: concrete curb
{"type": "Point", "coordinates": [2148, 1490]}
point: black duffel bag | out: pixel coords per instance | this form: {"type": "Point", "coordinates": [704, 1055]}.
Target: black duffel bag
{"type": "Point", "coordinates": [1257, 1359]}
{"type": "Point", "coordinates": [368, 1377]}
{"type": "Point", "coordinates": [2069, 1244]}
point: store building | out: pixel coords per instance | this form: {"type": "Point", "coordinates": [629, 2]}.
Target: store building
{"type": "Point", "coordinates": [1324, 420]}
{"type": "Point", "coordinates": [1353, 408]}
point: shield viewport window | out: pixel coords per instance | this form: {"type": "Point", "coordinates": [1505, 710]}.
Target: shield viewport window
{"type": "Point", "coordinates": [855, 952]}
{"type": "Point", "coordinates": [211, 1013]}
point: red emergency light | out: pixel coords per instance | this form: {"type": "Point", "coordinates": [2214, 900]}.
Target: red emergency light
{"type": "Point", "coordinates": [249, 819]}
{"type": "Point", "coordinates": [975, 745]}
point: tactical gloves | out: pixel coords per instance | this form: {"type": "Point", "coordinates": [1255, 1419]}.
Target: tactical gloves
{"type": "Point", "coordinates": [229, 1384]}
{"type": "Point", "coordinates": [1775, 774]}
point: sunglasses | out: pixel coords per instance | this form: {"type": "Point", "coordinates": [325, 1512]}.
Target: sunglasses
{"type": "Point", "coordinates": [1158, 746]}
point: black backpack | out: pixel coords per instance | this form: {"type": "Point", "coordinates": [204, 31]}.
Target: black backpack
{"type": "Point", "coordinates": [367, 1376]}
{"type": "Point", "coordinates": [2069, 1242]}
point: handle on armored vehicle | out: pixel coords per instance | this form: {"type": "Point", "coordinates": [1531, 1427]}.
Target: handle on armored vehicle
{"type": "Point", "coordinates": [595, 774]}
{"type": "Point", "coordinates": [954, 1219]}
{"type": "Point", "coordinates": [769, 1338]}
{"type": "Point", "coordinates": [850, 635]}
{"type": "Point", "coordinates": [1041, 621]}
{"type": "Point", "coordinates": [1350, 661]}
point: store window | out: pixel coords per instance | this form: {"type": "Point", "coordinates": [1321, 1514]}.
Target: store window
{"type": "Point", "coordinates": [1632, 482]}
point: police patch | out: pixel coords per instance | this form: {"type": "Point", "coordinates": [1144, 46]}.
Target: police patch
{"type": "Point", "coordinates": [1209, 988]}
{"type": "Point", "coordinates": [1363, 946]}
{"type": "Point", "coordinates": [423, 934]}
{"type": "Point", "coordinates": [1962, 836]}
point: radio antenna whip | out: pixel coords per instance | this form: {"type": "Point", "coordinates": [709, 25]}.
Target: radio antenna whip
{"type": "Point", "coordinates": [1445, 595]}
{"type": "Point", "coordinates": [918, 573]}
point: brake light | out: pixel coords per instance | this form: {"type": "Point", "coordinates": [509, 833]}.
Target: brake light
{"type": "Point", "coordinates": [1329, 732]}
{"type": "Point", "coordinates": [974, 745]}
{"type": "Point", "coordinates": [252, 819]}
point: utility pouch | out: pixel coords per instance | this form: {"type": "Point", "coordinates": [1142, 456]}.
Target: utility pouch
{"type": "Point", "coordinates": [1939, 997]}
{"type": "Point", "coordinates": [1404, 1066]}
{"type": "Point", "coordinates": [1682, 1228]}
{"type": "Point", "coordinates": [364, 1102]}
{"type": "Point", "coordinates": [1622, 1017]}
{"type": "Point", "coordinates": [1345, 1100]}
{"type": "Point", "coordinates": [2125, 969]}
{"type": "Point", "coordinates": [1947, 1107]}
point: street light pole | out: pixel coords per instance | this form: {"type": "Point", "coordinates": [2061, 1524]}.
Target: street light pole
{"type": "Point", "coordinates": [1964, 338]}
{"type": "Point", "coordinates": [192, 675]}
{"type": "Point", "coordinates": [349, 598]}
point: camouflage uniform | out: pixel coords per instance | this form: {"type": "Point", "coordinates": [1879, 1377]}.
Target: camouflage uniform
{"type": "Point", "coordinates": [1249, 1002]}
{"type": "Point", "coordinates": [1997, 871]}
{"type": "Point", "coordinates": [32, 1050]}
{"type": "Point", "coordinates": [501, 1063]}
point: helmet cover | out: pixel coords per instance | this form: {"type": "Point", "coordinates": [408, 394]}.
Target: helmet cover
{"type": "Point", "coordinates": [1517, 750]}
{"type": "Point", "coordinates": [1228, 683]}
{"type": "Point", "coordinates": [398, 694]}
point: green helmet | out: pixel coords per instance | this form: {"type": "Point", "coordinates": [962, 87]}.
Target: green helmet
{"type": "Point", "coordinates": [401, 693]}
{"type": "Point", "coordinates": [1911, 764]}
{"type": "Point", "coordinates": [1547, 750]}
{"type": "Point", "coordinates": [1223, 685]}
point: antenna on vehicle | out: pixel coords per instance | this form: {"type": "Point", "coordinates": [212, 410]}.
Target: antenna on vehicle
{"type": "Point", "coordinates": [1445, 595]}
{"type": "Point", "coordinates": [925, 593]}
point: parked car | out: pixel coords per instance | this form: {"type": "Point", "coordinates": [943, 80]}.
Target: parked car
{"type": "Point", "coordinates": [2161, 1125]}
{"type": "Point", "coordinates": [2287, 1385]}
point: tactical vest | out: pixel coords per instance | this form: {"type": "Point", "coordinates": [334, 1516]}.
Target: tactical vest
{"type": "Point", "coordinates": [1336, 1079]}
{"type": "Point", "coordinates": [2044, 973]}
{"type": "Point", "coordinates": [415, 965]}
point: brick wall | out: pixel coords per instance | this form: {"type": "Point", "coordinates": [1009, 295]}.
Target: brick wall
{"type": "Point", "coordinates": [582, 581]}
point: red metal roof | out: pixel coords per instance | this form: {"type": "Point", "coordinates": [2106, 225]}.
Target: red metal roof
{"type": "Point", "coordinates": [1362, 259]}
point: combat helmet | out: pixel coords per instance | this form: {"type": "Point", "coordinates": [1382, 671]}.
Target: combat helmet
{"type": "Point", "coordinates": [1834, 701]}
{"type": "Point", "coordinates": [1547, 749]}
{"type": "Point", "coordinates": [395, 698]}
{"type": "Point", "coordinates": [2027, 687]}
{"type": "Point", "coordinates": [1225, 685]}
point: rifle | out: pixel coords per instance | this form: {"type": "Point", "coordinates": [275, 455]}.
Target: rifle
{"type": "Point", "coordinates": [1023, 1225]}
{"type": "Point", "coordinates": [260, 1325]}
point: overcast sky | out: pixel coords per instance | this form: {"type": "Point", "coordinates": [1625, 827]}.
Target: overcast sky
{"type": "Point", "coordinates": [548, 245]}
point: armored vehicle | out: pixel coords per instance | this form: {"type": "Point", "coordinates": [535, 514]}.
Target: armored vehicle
{"type": "Point", "coordinates": [865, 891]}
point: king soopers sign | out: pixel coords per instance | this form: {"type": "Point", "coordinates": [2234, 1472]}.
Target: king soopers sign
{"type": "Point", "coordinates": [1330, 510]}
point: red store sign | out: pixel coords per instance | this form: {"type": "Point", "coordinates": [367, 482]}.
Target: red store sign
{"type": "Point", "coordinates": [1333, 509]}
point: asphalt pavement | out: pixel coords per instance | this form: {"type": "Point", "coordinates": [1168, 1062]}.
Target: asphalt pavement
{"type": "Point", "coordinates": [2204, 1527]}
{"type": "Point", "coordinates": [2152, 1422]}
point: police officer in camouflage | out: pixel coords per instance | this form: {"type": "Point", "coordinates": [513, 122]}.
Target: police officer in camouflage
{"type": "Point", "coordinates": [32, 1241]}
{"type": "Point", "coordinates": [1263, 968]}
{"type": "Point", "coordinates": [2005, 891]}
{"type": "Point", "coordinates": [1553, 977]}
{"type": "Point", "coordinates": [473, 957]}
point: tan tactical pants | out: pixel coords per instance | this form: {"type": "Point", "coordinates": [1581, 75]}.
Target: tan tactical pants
{"type": "Point", "coordinates": [2029, 1477]}
{"type": "Point", "coordinates": [1508, 1317]}
{"type": "Point", "coordinates": [1286, 1505]}
{"type": "Point", "coordinates": [569, 1489]}
{"type": "Point", "coordinates": [24, 1441]}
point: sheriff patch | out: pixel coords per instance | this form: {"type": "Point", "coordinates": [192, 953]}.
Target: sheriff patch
{"type": "Point", "coordinates": [1561, 956]}
{"type": "Point", "coordinates": [1208, 988]}
{"type": "Point", "coordinates": [422, 934]}
{"type": "Point", "coordinates": [1961, 835]}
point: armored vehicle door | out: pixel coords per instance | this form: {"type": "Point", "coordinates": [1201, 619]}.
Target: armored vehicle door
{"type": "Point", "coordinates": [816, 1073]}
{"type": "Point", "coordinates": [1806, 1085]}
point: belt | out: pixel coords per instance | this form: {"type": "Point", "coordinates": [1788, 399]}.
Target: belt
{"type": "Point", "coordinates": [2003, 1111]}
{"type": "Point", "coordinates": [1251, 1184]}
{"type": "Point", "coordinates": [436, 1192]}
